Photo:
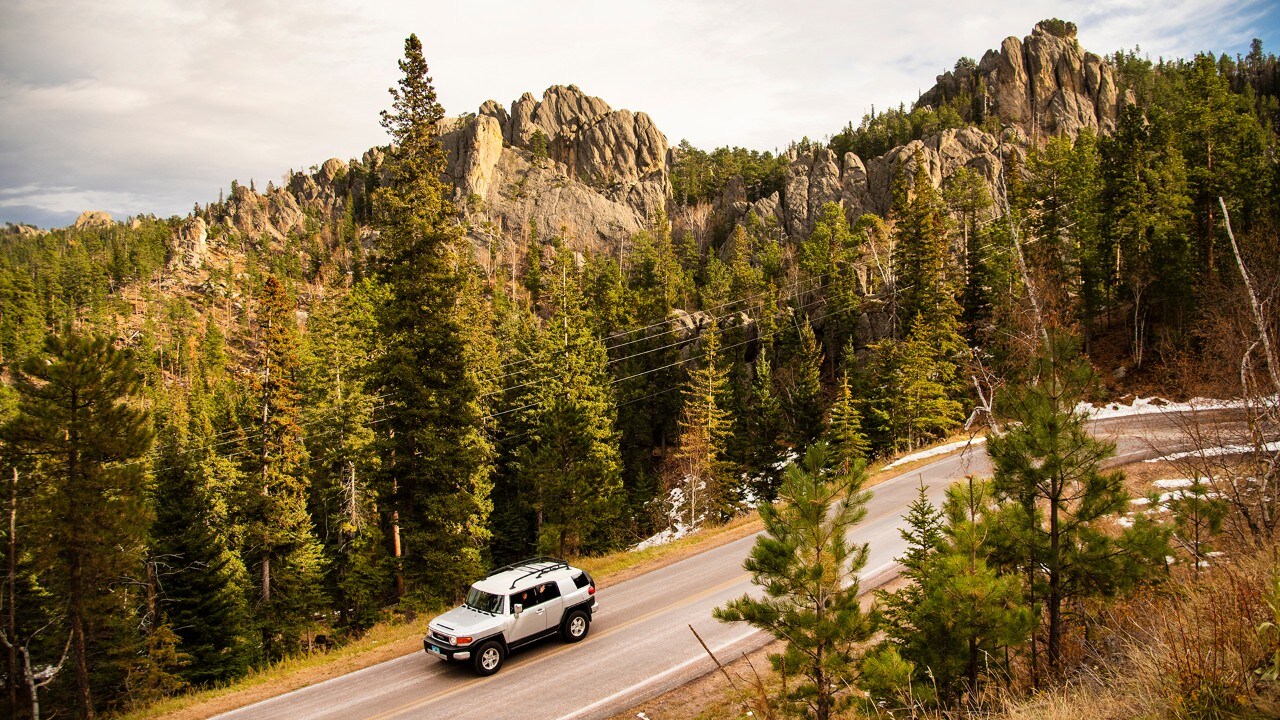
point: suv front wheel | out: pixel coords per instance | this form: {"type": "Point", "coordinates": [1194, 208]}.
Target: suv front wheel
{"type": "Point", "coordinates": [575, 626]}
{"type": "Point", "coordinates": [488, 658]}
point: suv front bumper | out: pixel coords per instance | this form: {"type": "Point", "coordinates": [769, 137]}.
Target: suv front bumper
{"type": "Point", "coordinates": [445, 651]}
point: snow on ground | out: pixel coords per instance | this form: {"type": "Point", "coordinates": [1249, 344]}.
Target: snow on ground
{"type": "Point", "coordinates": [1174, 483]}
{"type": "Point", "coordinates": [1150, 406]}
{"type": "Point", "coordinates": [671, 534]}
{"type": "Point", "coordinates": [1140, 501]}
{"type": "Point", "coordinates": [1217, 451]}
{"type": "Point", "coordinates": [940, 450]}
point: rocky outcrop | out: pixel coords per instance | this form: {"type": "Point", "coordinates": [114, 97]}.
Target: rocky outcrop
{"type": "Point", "coordinates": [526, 193]}
{"type": "Point", "coordinates": [275, 214]}
{"type": "Point", "coordinates": [1044, 84]}
{"type": "Point", "coordinates": [323, 191]}
{"type": "Point", "coordinates": [191, 243]}
{"type": "Point", "coordinates": [565, 161]}
{"type": "Point", "coordinates": [90, 219]}
{"type": "Point", "coordinates": [22, 230]}
{"type": "Point", "coordinates": [472, 153]}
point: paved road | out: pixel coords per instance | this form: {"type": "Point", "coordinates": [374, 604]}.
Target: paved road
{"type": "Point", "coordinates": [640, 644]}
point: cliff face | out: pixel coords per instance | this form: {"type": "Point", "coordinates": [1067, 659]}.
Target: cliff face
{"type": "Point", "coordinates": [567, 162]}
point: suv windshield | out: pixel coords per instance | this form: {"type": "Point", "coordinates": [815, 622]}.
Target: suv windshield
{"type": "Point", "coordinates": [484, 602]}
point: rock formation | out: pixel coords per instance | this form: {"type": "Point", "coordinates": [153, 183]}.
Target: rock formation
{"type": "Point", "coordinates": [191, 243]}
{"type": "Point", "coordinates": [565, 161]}
{"type": "Point", "coordinates": [1044, 84]}
{"type": "Point", "coordinates": [569, 164]}
{"type": "Point", "coordinates": [815, 177]}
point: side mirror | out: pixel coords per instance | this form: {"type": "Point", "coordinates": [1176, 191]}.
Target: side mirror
{"type": "Point", "coordinates": [517, 609]}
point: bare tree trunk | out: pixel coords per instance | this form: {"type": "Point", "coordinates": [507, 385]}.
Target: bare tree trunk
{"type": "Point", "coordinates": [1032, 295]}
{"type": "Point", "coordinates": [1258, 318]}
{"type": "Point", "coordinates": [11, 677]}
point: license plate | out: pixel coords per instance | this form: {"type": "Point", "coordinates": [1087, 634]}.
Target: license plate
{"type": "Point", "coordinates": [436, 650]}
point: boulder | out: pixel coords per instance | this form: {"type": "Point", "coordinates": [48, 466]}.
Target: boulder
{"type": "Point", "coordinates": [94, 219]}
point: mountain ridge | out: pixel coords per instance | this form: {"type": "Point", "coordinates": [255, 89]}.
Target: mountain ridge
{"type": "Point", "coordinates": [569, 164]}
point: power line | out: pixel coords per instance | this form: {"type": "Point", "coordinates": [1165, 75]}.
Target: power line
{"type": "Point", "coordinates": [643, 352]}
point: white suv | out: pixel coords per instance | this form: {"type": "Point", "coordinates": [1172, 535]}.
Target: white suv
{"type": "Point", "coordinates": [514, 606]}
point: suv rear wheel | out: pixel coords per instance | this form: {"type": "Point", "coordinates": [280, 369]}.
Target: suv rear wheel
{"type": "Point", "coordinates": [488, 658]}
{"type": "Point", "coordinates": [575, 626]}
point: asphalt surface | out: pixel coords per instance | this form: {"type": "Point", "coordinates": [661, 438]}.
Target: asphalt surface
{"type": "Point", "coordinates": [640, 643]}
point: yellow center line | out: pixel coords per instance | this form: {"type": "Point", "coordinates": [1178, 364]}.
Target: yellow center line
{"type": "Point", "coordinates": [413, 705]}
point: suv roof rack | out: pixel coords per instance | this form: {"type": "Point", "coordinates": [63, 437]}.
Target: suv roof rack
{"type": "Point", "coordinates": [537, 566]}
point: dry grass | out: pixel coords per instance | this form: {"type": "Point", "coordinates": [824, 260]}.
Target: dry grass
{"type": "Point", "coordinates": [1186, 650]}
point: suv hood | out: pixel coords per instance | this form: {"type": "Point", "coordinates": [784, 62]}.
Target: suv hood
{"type": "Point", "coordinates": [465, 621]}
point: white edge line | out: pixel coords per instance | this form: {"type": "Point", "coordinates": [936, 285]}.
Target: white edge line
{"type": "Point", "coordinates": [697, 658]}
{"type": "Point", "coordinates": [313, 686]}
{"type": "Point", "coordinates": [650, 680]}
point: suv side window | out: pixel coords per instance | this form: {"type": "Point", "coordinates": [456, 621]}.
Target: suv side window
{"type": "Point", "coordinates": [581, 580]}
{"type": "Point", "coordinates": [547, 591]}
{"type": "Point", "coordinates": [524, 598]}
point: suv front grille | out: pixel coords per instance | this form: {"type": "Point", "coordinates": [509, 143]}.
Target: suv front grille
{"type": "Point", "coordinates": [442, 638]}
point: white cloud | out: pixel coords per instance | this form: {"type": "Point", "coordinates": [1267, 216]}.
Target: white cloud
{"type": "Point", "coordinates": [163, 102]}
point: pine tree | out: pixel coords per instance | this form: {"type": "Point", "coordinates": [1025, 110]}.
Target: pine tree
{"type": "Point", "coordinates": [1197, 515]}
{"type": "Point", "coordinates": [809, 572]}
{"type": "Point", "coordinates": [202, 582]}
{"type": "Point", "coordinates": [703, 432]}
{"type": "Point", "coordinates": [911, 399]}
{"type": "Point", "coordinates": [1055, 496]}
{"type": "Point", "coordinates": [77, 417]}
{"type": "Point", "coordinates": [952, 622]}
{"type": "Point", "coordinates": [922, 282]}
{"type": "Point", "coordinates": [339, 412]}
{"type": "Point", "coordinates": [1144, 224]}
{"type": "Point", "coordinates": [284, 551]}
{"type": "Point", "coordinates": [804, 407]}
{"type": "Point", "coordinates": [844, 428]}
{"type": "Point", "coordinates": [965, 193]}
{"type": "Point", "coordinates": [437, 459]}
{"type": "Point", "coordinates": [570, 460]}
{"type": "Point", "coordinates": [759, 434]}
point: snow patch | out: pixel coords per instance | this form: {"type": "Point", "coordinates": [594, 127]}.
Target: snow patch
{"type": "Point", "coordinates": [1153, 405]}
{"type": "Point", "coordinates": [939, 450]}
{"type": "Point", "coordinates": [671, 534]}
{"type": "Point", "coordinates": [1174, 483]}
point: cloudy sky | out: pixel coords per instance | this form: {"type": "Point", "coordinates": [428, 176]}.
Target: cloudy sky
{"type": "Point", "coordinates": [153, 105]}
